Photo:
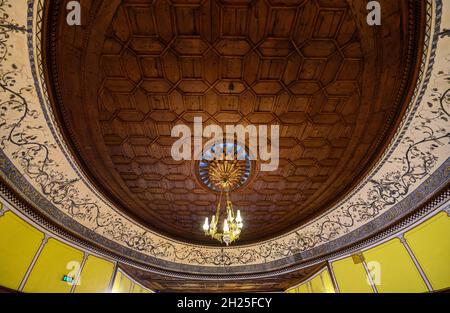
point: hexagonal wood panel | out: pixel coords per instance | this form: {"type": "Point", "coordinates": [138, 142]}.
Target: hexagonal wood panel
{"type": "Point", "coordinates": [161, 283]}
{"type": "Point", "coordinates": [333, 84]}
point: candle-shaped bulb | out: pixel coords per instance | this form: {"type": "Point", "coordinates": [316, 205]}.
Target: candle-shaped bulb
{"type": "Point", "coordinates": [226, 229]}
{"type": "Point", "coordinates": [238, 216]}
{"type": "Point", "coordinates": [206, 225]}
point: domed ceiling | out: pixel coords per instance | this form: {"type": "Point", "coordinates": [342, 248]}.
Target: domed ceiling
{"type": "Point", "coordinates": [86, 115]}
{"type": "Point", "coordinates": [135, 69]}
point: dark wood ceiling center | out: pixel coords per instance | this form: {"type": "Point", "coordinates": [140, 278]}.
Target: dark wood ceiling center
{"type": "Point", "coordinates": [333, 84]}
{"type": "Point", "coordinates": [161, 283]}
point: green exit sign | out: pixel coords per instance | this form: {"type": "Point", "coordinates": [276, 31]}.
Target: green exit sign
{"type": "Point", "coordinates": [68, 279]}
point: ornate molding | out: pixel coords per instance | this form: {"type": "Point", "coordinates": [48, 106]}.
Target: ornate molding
{"type": "Point", "coordinates": [432, 207]}
{"type": "Point", "coordinates": [413, 168]}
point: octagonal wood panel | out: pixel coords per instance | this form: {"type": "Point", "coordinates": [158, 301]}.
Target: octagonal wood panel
{"type": "Point", "coordinates": [135, 69]}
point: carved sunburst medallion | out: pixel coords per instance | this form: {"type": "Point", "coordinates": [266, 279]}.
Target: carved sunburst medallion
{"type": "Point", "coordinates": [224, 166]}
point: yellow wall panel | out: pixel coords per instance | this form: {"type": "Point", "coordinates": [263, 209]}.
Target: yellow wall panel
{"type": "Point", "coordinates": [95, 275]}
{"type": "Point", "coordinates": [319, 284]}
{"type": "Point", "coordinates": [309, 287]}
{"type": "Point", "coordinates": [125, 285]}
{"type": "Point", "coordinates": [19, 242]}
{"type": "Point", "coordinates": [430, 243]}
{"type": "Point", "coordinates": [351, 277]}
{"type": "Point", "coordinates": [136, 289]}
{"type": "Point", "coordinates": [303, 288]}
{"type": "Point", "coordinates": [392, 269]}
{"type": "Point", "coordinates": [327, 283]}
{"type": "Point", "coordinates": [116, 285]}
{"type": "Point", "coordinates": [316, 284]}
{"type": "Point", "coordinates": [56, 260]}
{"type": "Point", "coordinates": [122, 284]}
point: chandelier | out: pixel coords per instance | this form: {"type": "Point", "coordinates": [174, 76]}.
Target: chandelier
{"type": "Point", "coordinates": [224, 175]}
{"type": "Point", "coordinates": [232, 223]}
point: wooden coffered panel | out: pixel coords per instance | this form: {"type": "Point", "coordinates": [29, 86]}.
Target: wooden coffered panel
{"type": "Point", "coordinates": [135, 69]}
{"type": "Point", "coordinates": [162, 283]}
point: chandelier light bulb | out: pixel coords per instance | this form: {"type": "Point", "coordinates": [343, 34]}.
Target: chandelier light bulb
{"type": "Point", "coordinates": [226, 229]}
{"type": "Point", "coordinates": [232, 223]}
{"type": "Point", "coordinates": [206, 225]}
{"type": "Point", "coordinates": [238, 216]}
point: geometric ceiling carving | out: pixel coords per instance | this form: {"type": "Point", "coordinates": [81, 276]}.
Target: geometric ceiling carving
{"type": "Point", "coordinates": [303, 65]}
{"type": "Point", "coordinates": [161, 283]}
{"type": "Point", "coordinates": [131, 72]}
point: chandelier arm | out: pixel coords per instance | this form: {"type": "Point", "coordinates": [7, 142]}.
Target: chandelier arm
{"type": "Point", "coordinates": [229, 205]}
{"type": "Point", "coordinates": [218, 208]}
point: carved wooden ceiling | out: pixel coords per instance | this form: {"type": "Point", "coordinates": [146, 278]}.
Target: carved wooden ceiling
{"type": "Point", "coordinates": [134, 69]}
{"type": "Point", "coordinates": [160, 283]}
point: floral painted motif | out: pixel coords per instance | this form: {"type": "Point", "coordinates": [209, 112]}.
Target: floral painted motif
{"type": "Point", "coordinates": [28, 140]}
